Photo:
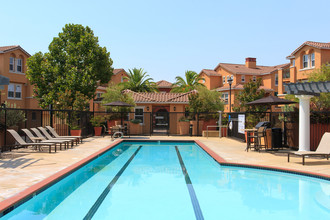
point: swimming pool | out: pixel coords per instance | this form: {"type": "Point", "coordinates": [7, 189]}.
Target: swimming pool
{"type": "Point", "coordinates": [175, 180]}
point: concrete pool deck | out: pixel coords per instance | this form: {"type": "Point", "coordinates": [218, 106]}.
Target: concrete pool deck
{"type": "Point", "coordinates": [23, 168]}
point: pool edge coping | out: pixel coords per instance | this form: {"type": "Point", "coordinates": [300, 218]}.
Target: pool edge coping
{"type": "Point", "coordinates": [19, 198]}
{"type": "Point", "coordinates": [222, 161]}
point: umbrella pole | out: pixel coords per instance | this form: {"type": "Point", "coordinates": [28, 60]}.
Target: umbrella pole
{"type": "Point", "coordinates": [121, 118]}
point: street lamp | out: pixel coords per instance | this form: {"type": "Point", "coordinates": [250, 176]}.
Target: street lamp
{"type": "Point", "coordinates": [230, 81]}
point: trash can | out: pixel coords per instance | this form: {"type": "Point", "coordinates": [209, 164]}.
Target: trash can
{"type": "Point", "coordinates": [190, 130]}
{"type": "Point", "coordinates": [276, 138]}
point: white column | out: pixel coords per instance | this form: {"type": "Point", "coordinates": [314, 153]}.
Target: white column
{"type": "Point", "coordinates": [304, 122]}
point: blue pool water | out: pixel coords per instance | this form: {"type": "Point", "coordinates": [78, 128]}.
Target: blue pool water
{"type": "Point", "coordinates": [166, 180]}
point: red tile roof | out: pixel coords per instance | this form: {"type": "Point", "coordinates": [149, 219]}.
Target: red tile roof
{"type": "Point", "coordinates": [6, 49]}
{"type": "Point", "coordinates": [240, 87]}
{"type": "Point", "coordinates": [242, 69]}
{"type": "Point", "coordinates": [209, 72]}
{"type": "Point", "coordinates": [318, 45]}
{"type": "Point", "coordinates": [164, 84]}
{"type": "Point", "coordinates": [116, 71]}
{"type": "Point", "coordinates": [152, 97]}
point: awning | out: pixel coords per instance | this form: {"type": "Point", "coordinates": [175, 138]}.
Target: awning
{"type": "Point", "coordinates": [4, 80]}
{"type": "Point", "coordinates": [307, 88]}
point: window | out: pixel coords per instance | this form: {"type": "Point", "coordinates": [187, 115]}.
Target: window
{"type": "Point", "coordinates": [305, 61]}
{"type": "Point", "coordinates": [224, 80]}
{"type": "Point", "coordinates": [242, 78]}
{"type": "Point", "coordinates": [276, 79]}
{"type": "Point", "coordinates": [139, 114]}
{"type": "Point", "coordinates": [11, 64]}
{"type": "Point", "coordinates": [122, 79]}
{"type": "Point", "coordinates": [228, 77]}
{"type": "Point", "coordinates": [14, 91]}
{"type": "Point", "coordinates": [224, 97]}
{"type": "Point", "coordinates": [293, 62]}
{"type": "Point", "coordinates": [19, 65]}
{"type": "Point", "coordinates": [312, 60]}
{"type": "Point", "coordinates": [254, 78]}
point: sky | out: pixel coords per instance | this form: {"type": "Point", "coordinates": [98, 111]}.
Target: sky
{"type": "Point", "coordinates": [168, 37]}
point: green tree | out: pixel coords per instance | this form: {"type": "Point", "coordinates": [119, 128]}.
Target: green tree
{"type": "Point", "coordinates": [139, 81]}
{"type": "Point", "coordinates": [115, 93]}
{"type": "Point", "coordinates": [190, 83]}
{"type": "Point", "coordinates": [320, 75]}
{"type": "Point", "coordinates": [69, 73]}
{"type": "Point", "coordinates": [205, 101]}
{"type": "Point", "coordinates": [250, 93]}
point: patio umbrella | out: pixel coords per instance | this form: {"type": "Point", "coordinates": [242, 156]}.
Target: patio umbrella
{"type": "Point", "coordinates": [118, 104]}
{"type": "Point", "coordinates": [270, 100]}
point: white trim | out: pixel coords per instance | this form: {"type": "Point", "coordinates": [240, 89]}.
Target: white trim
{"type": "Point", "coordinates": [307, 69]}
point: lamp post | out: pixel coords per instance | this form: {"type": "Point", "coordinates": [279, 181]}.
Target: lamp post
{"type": "Point", "coordinates": [230, 81]}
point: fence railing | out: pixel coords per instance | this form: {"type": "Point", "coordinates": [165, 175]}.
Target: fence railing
{"type": "Point", "coordinates": [162, 123]}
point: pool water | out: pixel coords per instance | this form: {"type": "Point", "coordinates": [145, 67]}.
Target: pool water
{"type": "Point", "coordinates": [168, 180]}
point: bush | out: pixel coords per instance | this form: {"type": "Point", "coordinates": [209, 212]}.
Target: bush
{"type": "Point", "coordinates": [13, 117]}
{"type": "Point", "coordinates": [97, 120]}
{"type": "Point", "coordinates": [136, 121]}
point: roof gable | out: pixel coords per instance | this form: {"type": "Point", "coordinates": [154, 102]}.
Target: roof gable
{"type": "Point", "coordinates": [164, 84]}
{"type": "Point", "coordinates": [152, 97]}
{"type": "Point", "coordinates": [242, 69]}
{"type": "Point", "coordinates": [314, 44]}
{"type": "Point", "coordinates": [6, 49]}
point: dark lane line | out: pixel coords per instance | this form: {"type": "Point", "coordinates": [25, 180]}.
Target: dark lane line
{"type": "Point", "coordinates": [193, 197]}
{"type": "Point", "coordinates": [106, 191]}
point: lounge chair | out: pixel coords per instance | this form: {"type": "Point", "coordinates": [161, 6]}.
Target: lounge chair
{"type": "Point", "coordinates": [37, 132]}
{"type": "Point", "coordinates": [42, 139]}
{"type": "Point", "coordinates": [55, 134]}
{"type": "Point", "coordinates": [322, 150]}
{"type": "Point", "coordinates": [22, 143]}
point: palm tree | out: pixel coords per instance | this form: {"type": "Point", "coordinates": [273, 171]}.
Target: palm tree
{"type": "Point", "coordinates": [139, 81]}
{"type": "Point", "coordinates": [190, 83]}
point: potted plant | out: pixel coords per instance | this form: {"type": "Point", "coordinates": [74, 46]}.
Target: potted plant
{"type": "Point", "coordinates": [135, 127]}
{"type": "Point", "coordinates": [184, 125]}
{"type": "Point", "coordinates": [97, 121]}
{"type": "Point", "coordinates": [75, 128]}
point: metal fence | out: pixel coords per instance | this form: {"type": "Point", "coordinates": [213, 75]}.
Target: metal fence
{"type": "Point", "coordinates": [162, 123]}
{"type": "Point", "coordinates": [288, 122]}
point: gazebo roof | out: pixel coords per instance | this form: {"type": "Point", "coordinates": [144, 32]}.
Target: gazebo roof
{"type": "Point", "coordinates": [307, 88]}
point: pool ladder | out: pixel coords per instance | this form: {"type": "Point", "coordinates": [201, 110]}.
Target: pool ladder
{"type": "Point", "coordinates": [121, 135]}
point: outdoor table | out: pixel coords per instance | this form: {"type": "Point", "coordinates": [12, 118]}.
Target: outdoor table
{"type": "Point", "coordinates": [38, 140]}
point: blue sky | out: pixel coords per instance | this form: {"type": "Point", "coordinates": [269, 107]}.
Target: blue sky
{"type": "Point", "coordinates": [166, 38]}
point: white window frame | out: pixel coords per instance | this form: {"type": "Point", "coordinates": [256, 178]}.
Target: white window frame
{"type": "Point", "coordinates": [293, 62]}
{"type": "Point", "coordinates": [122, 79]}
{"type": "Point", "coordinates": [19, 63]}
{"type": "Point", "coordinates": [254, 78]}
{"type": "Point", "coordinates": [276, 79]}
{"type": "Point", "coordinates": [225, 97]}
{"type": "Point", "coordinates": [305, 61]}
{"type": "Point", "coordinates": [224, 80]}
{"type": "Point", "coordinates": [312, 59]}
{"type": "Point", "coordinates": [12, 64]}
{"type": "Point", "coordinates": [243, 78]}
{"type": "Point", "coordinates": [15, 89]}
{"type": "Point", "coordinates": [139, 116]}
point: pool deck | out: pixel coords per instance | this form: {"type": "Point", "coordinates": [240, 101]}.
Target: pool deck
{"type": "Point", "coordinates": [23, 168]}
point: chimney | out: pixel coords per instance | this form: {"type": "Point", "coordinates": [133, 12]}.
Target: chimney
{"type": "Point", "coordinates": [251, 62]}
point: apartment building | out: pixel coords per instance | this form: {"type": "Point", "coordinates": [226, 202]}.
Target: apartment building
{"type": "Point", "coordinates": [230, 78]}
{"type": "Point", "coordinates": [308, 57]}
{"type": "Point", "coordinates": [19, 92]}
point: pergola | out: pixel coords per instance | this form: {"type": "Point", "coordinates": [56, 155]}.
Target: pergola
{"type": "Point", "coordinates": [304, 92]}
